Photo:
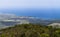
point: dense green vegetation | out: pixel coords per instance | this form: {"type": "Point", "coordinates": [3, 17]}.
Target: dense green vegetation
{"type": "Point", "coordinates": [30, 30]}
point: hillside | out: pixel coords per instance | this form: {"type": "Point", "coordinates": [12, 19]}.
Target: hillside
{"type": "Point", "coordinates": [30, 30]}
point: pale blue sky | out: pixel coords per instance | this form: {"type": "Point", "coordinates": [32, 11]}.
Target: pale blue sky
{"type": "Point", "coordinates": [54, 12]}
{"type": "Point", "coordinates": [29, 3]}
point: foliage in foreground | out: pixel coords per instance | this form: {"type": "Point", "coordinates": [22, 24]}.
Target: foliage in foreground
{"type": "Point", "coordinates": [30, 30]}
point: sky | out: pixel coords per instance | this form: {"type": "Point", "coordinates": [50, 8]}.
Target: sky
{"type": "Point", "coordinates": [41, 8]}
{"type": "Point", "coordinates": [29, 3]}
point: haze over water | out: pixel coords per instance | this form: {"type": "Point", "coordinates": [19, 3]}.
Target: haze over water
{"type": "Point", "coordinates": [36, 8]}
{"type": "Point", "coordinates": [42, 13]}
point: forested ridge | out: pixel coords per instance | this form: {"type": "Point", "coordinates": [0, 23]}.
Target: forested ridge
{"type": "Point", "coordinates": [30, 30]}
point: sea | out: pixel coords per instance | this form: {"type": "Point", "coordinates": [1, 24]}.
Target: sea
{"type": "Point", "coordinates": [50, 13]}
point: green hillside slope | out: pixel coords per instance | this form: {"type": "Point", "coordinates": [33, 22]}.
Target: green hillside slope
{"type": "Point", "coordinates": [30, 30]}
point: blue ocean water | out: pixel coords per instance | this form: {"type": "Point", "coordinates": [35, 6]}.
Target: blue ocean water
{"type": "Point", "coordinates": [42, 13]}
